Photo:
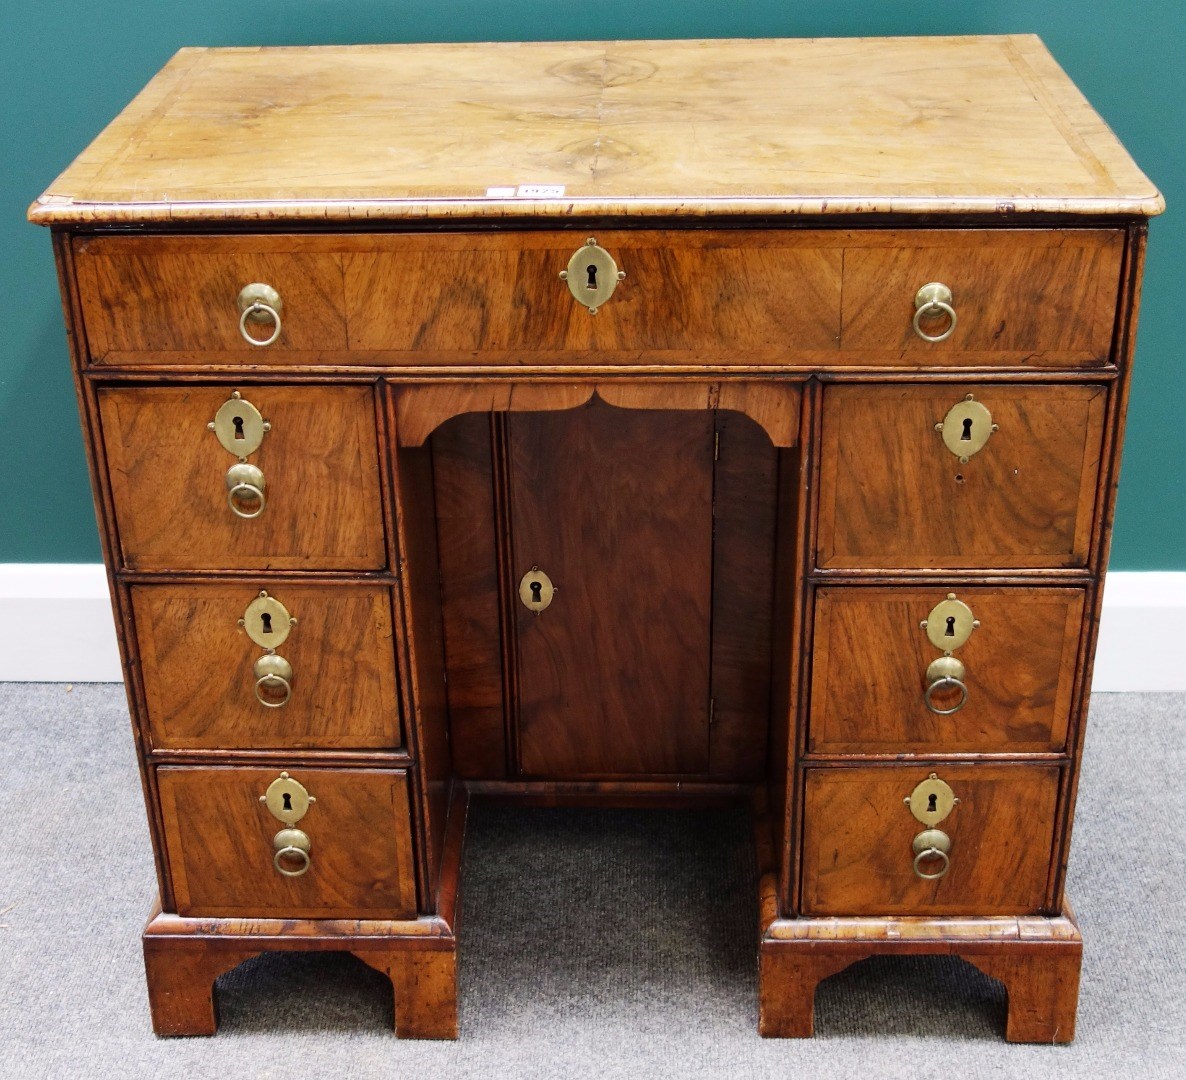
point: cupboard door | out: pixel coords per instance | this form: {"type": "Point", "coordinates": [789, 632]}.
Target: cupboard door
{"type": "Point", "coordinates": [615, 506]}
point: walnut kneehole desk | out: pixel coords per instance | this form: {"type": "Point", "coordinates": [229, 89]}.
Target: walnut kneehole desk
{"type": "Point", "coordinates": [621, 423]}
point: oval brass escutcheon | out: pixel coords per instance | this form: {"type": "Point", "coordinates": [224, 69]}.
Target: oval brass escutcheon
{"type": "Point", "coordinates": [949, 624]}
{"type": "Point", "coordinates": [239, 426]}
{"type": "Point", "coordinates": [931, 801]}
{"type": "Point", "coordinates": [592, 275]}
{"type": "Point", "coordinates": [267, 621]}
{"type": "Point", "coordinates": [966, 428]}
{"type": "Point", "coordinates": [287, 800]}
{"type": "Point", "coordinates": [536, 590]}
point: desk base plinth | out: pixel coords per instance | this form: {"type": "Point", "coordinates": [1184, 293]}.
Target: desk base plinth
{"type": "Point", "coordinates": [1035, 957]}
{"type": "Point", "coordinates": [183, 957]}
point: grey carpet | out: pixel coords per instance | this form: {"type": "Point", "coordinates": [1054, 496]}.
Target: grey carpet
{"type": "Point", "coordinates": [600, 944]}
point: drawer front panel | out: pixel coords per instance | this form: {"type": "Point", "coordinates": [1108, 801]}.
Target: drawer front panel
{"type": "Point", "coordinates": [892, 494]}
{"type": "Point", "coordinates": [200, 683]}
{"type": "Point", "coordinates": [320, 462]}
{"type": "Point", "coordinates": [870, 660]}
{"type": "Point", "coordinates": [174, 300]}
{"type": "Point", "coordinates": [783, 297]}
{"type": "Point", "coordinates": [1026, 298]}
{"type": "Point", "coordinates": [219, 840]}
{"type": "Point", "coordinates": [858, 852]}
{"type": "Point", "coordinates": [688, 297]}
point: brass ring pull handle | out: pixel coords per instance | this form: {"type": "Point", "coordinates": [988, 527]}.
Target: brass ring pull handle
{"type": "Point", "coordinates": [245, 490]}
{"type": "Point", "coordinates": [943, 684]}
{"type": "Point", "coordinates": [932, 853]}
{"type": "Point", "coordinates": [259, 303]}
{"type": "Point", "coordinates": [942, 674]}
{"type": "Point", "coordinates": [291, 844]}
{"type": "Point", "coordinates": [257, 312]}
{"type": "Point", "coordinates": [273, 680]}
{"type": "Point", "coordinates": [932, 300]}
{"type": "Point", "coordinates": [931, 844]}
{"type": "Point", "coordinates": [273, 672]}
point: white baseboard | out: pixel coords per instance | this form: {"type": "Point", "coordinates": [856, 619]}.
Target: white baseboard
{"type": "Point", "coordinates": [56, 626]}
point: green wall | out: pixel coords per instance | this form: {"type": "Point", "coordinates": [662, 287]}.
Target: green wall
{"type": "Point", "coordinates": [68, 68]}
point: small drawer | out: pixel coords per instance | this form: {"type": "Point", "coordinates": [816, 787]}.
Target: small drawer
{"type": "Point", "coordinates": [688, 297]}
{"type": "Point", "coordinates": [1018, 297]}
{"type": "Point", "coordinates": [199, 666]}
{"type": "Point", "coordinates": [174, 300]}
{"type": "Point", "coordinates": [859, 841]}
{"type": "Point", "coordinates": [871, 657]}
{"type": "Point", "coordinates": [893, 495]}
{"type": "Point", "coordinates": [172, 490]}
{"type": "Point", "coordinates": [222, 848]}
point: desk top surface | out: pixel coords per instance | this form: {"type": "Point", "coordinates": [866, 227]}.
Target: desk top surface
{"type": "Point", "coordinates": [552, 130]}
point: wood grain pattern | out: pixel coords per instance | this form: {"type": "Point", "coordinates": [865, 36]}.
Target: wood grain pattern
{"type": "Point", "coordinates": [1036, 958]}
{"type": "Point", "coordinates": [727, 179]}
{"type": "Point", "coordinates": [425, 700]}
{"type": "Point", "coordinates": [218, 837]}
{"type": "Point", "coordinates": [170, 299]}
{"type": "Point", "coordinates": [1109, 481]}
{"type": "Point", "coordinates": [1032, 298]}
{"type": "Point", "coordinates": [774, 406]}
{"type": "Point", "coordinates": [463, 483]}
{"type": "Point", "coordinates": [869, 662]}
{"type": "Point", "coordinates": [184, 956]}
{"type": "Point", "coordinates": [424, 984]}
{"type": "Point", "coordinates": [320, 463]}
{"type": "Point", "coordinates": [738, 296]}
{"type": "Point", "coordinates": [614, 676]}
{"type": "Point", "coordinates": [786, 997]}
{"type": "Point", "coordinates": [892, 495]}
{"type": "Point", "coordinates": [979, 124]}
{"type": "Point", "coordinates": [180, 973]}
{"type": "Point", "coordinates": [857, 837]}
{"type": "Point", "coordinates": [196, 663]}
{"type": "Point", "coordinates": [745, 496]}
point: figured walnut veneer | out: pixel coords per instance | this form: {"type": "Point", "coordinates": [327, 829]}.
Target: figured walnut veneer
{"type": "Point", "coordinates": [731, 472]}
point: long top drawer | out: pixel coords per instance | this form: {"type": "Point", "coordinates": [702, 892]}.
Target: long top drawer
{"type": "Point", "coordinates": [799, 298]}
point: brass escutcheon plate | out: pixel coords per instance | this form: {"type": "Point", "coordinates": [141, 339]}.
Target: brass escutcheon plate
{"type": "Point", "coordinates": [267, 621]}
{"type": "Point", "coordinates": [239, 426]}
{"type": "Point", "coordinates": [966, 428]}
{"type": "Point", "coordinates": [931, 801]}
{"type": "Point", "coordinates": [536, 590]}
{"type": "Point", "coordinates": [949, 624]}
{"type": "Point", "coordinates": [287, 800]}
{"type": "Point", "coordinates": [592, 275]}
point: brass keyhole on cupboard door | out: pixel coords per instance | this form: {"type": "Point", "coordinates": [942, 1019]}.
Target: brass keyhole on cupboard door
{"type": "Point", "coordinates": [536, 590]}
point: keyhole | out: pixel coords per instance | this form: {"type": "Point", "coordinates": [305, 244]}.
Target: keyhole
{"type": "Point", "coordinates": [967, 435]}
{"type": "Point", "coordinates": [288, 801]}
{"type": "Point", "coordinates": [932, 807]}
{"type": "Point", "coordinates": [950, 631]}
{"type": "Point", "coordinates": [591, 270]}
{"type": "Point", "coordinates": [266, 619]}
{"type": "Point", "coordinates": [238, 422]}
{"type": "Point", "coordinates": [536, 592]}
